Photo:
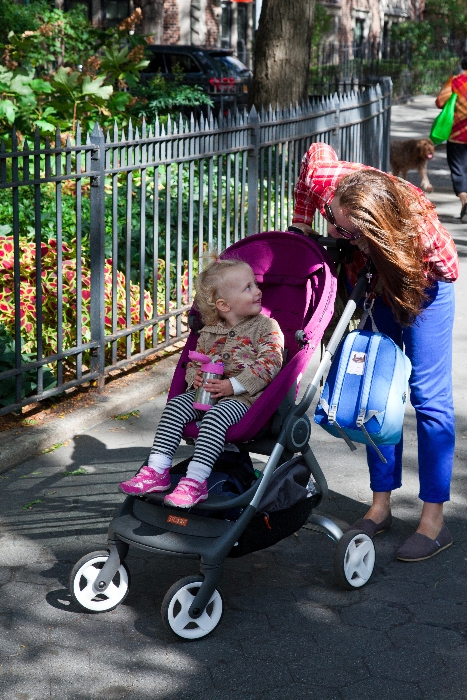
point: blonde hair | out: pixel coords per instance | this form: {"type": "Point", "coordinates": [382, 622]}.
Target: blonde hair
{"type": "Point", "coordinates": [208, 283]}
{"type": "Point", "coordinates": [391, 216]}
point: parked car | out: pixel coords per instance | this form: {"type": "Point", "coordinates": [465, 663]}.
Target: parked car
{"type": "Point", "coordinates": [222, 76]}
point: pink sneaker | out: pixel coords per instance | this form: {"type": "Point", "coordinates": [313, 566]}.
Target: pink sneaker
{"type": "Point", "coordinates": [187, 493]}
{"type": "Point", "coordinates": [147, 480]}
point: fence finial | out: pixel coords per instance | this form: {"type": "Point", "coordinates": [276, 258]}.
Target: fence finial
{"type": "Point", "coordinates": [97, 131]}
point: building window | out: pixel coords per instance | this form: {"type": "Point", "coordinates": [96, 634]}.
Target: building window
{"type": "Point", "coordinates": [114, 11]}
{"type": "Point", "coordinates": [359, 32]}
{"type": "Point", "coordinates": [181, 62]}
{"type": "Point", "coordinates": [242, 32]}
{"type": "Point", "coordinates": [226, 25]}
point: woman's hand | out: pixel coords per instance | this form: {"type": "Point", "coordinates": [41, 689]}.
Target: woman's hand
{"type": "Point", "coordinates": [198, 380]}
{"type": "Point", "coordinates": [362, 244]}
{"type": "Point", "coordinates": [218, 388]}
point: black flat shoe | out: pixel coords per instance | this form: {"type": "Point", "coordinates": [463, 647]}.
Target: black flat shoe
{"type": "Point", "coordinates": [464, 214]}
{"type": "Point", "coordinates": [420, 547]}
{"type": "Point", "coordinates": [369, 527]}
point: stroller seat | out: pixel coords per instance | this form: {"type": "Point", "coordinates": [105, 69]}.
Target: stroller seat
{"type": "Point", "coordinates": [298, 282]}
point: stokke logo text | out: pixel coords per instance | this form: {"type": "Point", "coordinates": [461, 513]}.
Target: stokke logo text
{"type": "Point", "coordinates": [356, 363]}
{"type": "Point", "coordinates": [177, 521]}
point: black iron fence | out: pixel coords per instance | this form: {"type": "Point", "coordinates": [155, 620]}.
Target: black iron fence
{"type": "Point", "coordinates": [101, 237]}
{"type": "Point", "coordinates": [414, 69]}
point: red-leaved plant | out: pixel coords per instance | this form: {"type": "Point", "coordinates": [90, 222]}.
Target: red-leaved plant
{"type": "Point", "coordinates": [28, 307]}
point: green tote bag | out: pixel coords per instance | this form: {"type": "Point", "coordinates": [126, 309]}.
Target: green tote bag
{"type": "Point", "coordinates": [442, 125]}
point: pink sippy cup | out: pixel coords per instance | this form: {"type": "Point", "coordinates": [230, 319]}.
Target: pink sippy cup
{"type": "Point", "coordinates": [211, 370]}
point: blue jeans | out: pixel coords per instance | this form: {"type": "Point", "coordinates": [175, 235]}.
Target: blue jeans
{"type": "Point", "coordinates": [428, 344]}
{"type": "Point", "coordinates": [457, 160]}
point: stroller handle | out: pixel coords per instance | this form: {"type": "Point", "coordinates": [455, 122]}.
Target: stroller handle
{"type": "Point", "coordinates": [331, 348]}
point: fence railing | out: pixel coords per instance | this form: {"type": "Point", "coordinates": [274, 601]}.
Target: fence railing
{"type": "Point", "coordinates": [342, 53]}
{"type": "Point", "coordinates": [413, 68]}
{"type": "Point", "coordinates": [101, 237]}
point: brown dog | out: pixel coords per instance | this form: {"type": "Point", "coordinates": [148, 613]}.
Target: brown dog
{"type": "Point", "coordinates": [412, 154]}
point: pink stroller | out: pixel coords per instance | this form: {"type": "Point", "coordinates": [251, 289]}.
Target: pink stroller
{"type": "Point", "coordinates": [298, 282]}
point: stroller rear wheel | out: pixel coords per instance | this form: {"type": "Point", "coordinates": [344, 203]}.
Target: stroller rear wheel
{"type": "Point", "coordinates": [82, 577]}
{"type": "Point", "coordinates": [354, 559]}
{"type": "Point", "coordinates": [177, 602]}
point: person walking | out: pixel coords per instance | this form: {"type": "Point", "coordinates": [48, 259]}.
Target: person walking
{"type": "Point", "coordinates": [391, 222]}
{"type": "Point", "coordinates": [456, 147]}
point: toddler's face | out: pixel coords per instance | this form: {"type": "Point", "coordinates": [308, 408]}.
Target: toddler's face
{"type": "Point", "coordinates": [240, 291]}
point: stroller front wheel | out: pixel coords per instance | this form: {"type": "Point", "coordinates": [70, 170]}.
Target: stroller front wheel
{"type": "Point", "coordinates": [83, 576]}
{"type": "Point", "coordinates": [354, 559]}
{"type": "Point", "coordinates": [177, 602]}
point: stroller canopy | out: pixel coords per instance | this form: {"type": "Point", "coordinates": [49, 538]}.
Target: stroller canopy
{"type": "Point", "coordinates": [298, 282]}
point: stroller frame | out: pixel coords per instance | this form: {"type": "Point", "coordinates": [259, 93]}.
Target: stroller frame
{"type": "Point", "coordinates": [211, 539]}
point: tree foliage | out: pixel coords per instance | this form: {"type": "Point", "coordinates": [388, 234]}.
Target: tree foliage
{"type": "Point", "coordinates": [448, 18]}
{"type": "Point", "coordinates": [445, 22]}
{"type": "Point", "coordinates": [322, 23]}
{"type": "Point", "coordinates": [61, 71]}
{"type": "Point", "coordinates": [19, 18]}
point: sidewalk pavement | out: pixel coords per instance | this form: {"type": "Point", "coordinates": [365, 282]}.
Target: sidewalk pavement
{"type": "Point", "coordinates": [288, 631]}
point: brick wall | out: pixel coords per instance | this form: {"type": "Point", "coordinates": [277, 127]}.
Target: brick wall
{"type": "Point", "coordinates": [212, 23]}
{"type": "Point", "coordinates": [171, 23]}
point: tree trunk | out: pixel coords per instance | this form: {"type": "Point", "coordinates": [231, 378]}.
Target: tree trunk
{"type": "Point", "coordinates": [282, 53]}
{"type": "Point", "coordinates": [152, 18]}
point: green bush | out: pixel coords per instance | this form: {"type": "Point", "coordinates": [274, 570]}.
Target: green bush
{"type": "Point", "coordinates": [8, 361]}
{"type": "Point", "coordinates": [161, 98]}
{"type": "Point", "coordinates": [58, 70]}
{"type": "Point", "coordinates": [19, 18]}
{"type": "Point", "coordinates": [65, 71]}
{"type": "Point", "coordinates": [418, 36]}
{"type": "Point", "coordinates": [448, 19]}
{"type": "Point", "coordinates": [421, 76]}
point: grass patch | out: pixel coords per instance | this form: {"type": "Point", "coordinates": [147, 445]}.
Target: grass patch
{"type": "Point", "coordinates": [52, 448]}
{"type": "Point", "coordinates": [76, 472]}
{"type": "Point", "coordinates": [125, 416]}
{"type": "Point", "coordinates": [29, 505]}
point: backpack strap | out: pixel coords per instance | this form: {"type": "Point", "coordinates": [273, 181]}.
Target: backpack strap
{"type": "Point", "coordinates": [363, 414]}
{"type": "Point", "coordinates": [342, 368]}
{"type": "Point", "coordinates": [367, 311]}
{"type": "Point", "coordinates": [331, 410]}
{"type": "Point", "coordinates": [325, 406]}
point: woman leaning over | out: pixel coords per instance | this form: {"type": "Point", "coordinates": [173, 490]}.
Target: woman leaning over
{"type": "Point", "coordinates": [393, 223]}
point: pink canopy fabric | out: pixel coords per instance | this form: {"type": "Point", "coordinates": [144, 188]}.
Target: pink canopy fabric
{"type": "Point", "coordinates": [298, 281]}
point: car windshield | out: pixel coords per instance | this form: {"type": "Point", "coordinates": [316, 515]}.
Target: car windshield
{"type": "Point", "coordinates": [229, 65]}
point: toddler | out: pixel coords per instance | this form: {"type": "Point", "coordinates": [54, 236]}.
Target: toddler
{"type": "Point", "coordinates": [250, 346]}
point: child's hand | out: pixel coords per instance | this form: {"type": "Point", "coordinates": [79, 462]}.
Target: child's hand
{"type": "Point", "coordinates": [219, 388]}
{"type": "Point", "coordinates": [198, 380]}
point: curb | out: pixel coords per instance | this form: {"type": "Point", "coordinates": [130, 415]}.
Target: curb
{"type": "Point", "coordinates": [20, 444]}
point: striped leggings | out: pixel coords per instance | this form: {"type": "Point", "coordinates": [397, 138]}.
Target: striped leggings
{"type": "Point", "coordinates": [214, 425]}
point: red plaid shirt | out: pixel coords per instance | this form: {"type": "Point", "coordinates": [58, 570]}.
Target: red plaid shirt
{"type": "Point", "coordinates": [320, 175]}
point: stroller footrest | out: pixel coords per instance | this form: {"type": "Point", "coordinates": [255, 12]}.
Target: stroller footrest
{"type": "Point", "coordinates": [179, 520]}
{"type": "Point", "coordinates": [214, 502]}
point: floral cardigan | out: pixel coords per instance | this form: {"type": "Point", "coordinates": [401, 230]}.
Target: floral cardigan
{"type": "Point", "coordinates": [251, 352]}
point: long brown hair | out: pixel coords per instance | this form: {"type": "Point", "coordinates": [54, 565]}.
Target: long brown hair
{"type": "Point", "coordinates": [391, 216]}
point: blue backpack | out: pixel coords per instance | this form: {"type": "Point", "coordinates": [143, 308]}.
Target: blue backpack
{"type": "Point", "coordinates": [365, 393]}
